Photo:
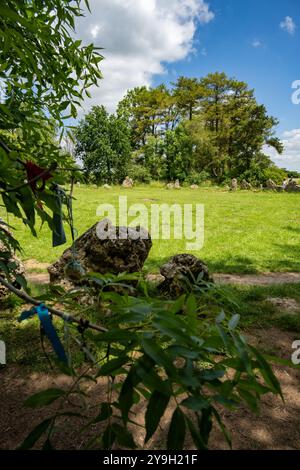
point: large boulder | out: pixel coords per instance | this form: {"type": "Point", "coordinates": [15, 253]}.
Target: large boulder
{"type": "Point", "coordinates": [103, 248]}
{"type": "Point", "coordinates": [181, 271]}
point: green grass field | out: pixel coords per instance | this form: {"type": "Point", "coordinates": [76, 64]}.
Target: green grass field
{"type": "Point", "coordinates": [244, 232]}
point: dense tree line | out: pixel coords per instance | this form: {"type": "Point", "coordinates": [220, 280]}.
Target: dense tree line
{"type": "Point", "coordinates": [210, 127]}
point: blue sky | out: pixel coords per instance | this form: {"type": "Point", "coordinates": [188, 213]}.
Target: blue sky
{"type": "Point", "coordinates": [153, 41]}
{"type": "Point", "coordinates": [245, 40]}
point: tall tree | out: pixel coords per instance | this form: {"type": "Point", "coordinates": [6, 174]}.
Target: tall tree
{"type": "Point", "coordinates": [103, 145]}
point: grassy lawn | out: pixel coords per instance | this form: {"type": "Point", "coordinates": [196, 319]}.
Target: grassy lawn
{"type": "Point", "coordinates": [245, 232]}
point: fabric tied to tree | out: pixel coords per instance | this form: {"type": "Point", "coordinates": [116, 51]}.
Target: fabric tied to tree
{"type": "Point", "coordinates": [48, 328]}
{"type": "Point", "coordinates": [58, 232]}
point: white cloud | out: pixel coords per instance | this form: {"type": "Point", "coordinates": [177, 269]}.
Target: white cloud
{"type": "Point", "coordinates": [291, 156]}
{"type": "Point", "coordinates": [256, 43]}
{"type": "Point", "coordinates": [288, 25]}
{"type": "Point", "coordinates": [139, 37]}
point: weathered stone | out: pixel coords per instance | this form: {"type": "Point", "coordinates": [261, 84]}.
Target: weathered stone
{"type": "Point", "coordinates": [177, 185]}
{"type": "Point", "coordinates": [270, 184]}
{"type": "Point", "coordinates": [292, 186]}
{"type": "Point", "coordinates": [13, 261]}
{"type": "Point", "coordinates": [194, 186]}
{"type": "Point", "coordinates": [119, 249]}
{"type": "Point", "coordinates": [234, 184]}
{"type": "Point", "coordinates": [127, 183]}
{"type": "Point", "coordinates": [170, 186]}
{"type": "Point", "coordinates": [245, 185]}
{"type": "Point", "coordinates": [106, 186]}
{"type": "Point", "coordinates": [180, 271]}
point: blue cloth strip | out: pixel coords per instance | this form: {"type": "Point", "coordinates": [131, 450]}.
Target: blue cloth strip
{"type": "Point", "coordinates": [50, 332]}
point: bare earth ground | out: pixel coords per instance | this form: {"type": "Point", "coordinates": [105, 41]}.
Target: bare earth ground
{"type": "Point", "coordinates": [277, 426]}
{"type": "Point", "coordinates": [247, 279]}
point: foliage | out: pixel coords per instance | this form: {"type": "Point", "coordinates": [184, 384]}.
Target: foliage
{"type": "Point", "coordinates": [160, 353]}
{"type": "Point", "coordinates": [139, 173]}
{"type": "Point", "coordinates": [278, 175]}
{"type": "Point", "coordinates": [211, 124]}
{"type": "Point", "coordinates": [103, 145]}
{"type": "Point", "coordinates": [197, 178]}
{"type": "Point", "coordinates": [44, 71]}
{"type": "Point", "coordinates": [261, 171]}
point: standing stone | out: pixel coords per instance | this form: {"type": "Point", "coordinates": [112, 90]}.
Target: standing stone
{"type": "Point", "coordinates": [127, 183]}
{"type": "Point", "coordinates": [234, 184]}
{"type": "Point", "coordinates": [271, 184]}
{"type": "Point", "coordinates": [292, 186]}
{"type": "Point", "coordinates": [120, 249]}
{"type": "Point", "coordinates": [177, 185]}
{"type": "Point", "coordinates": [245, 185]}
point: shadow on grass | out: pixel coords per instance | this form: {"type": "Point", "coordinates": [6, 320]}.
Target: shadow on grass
{"type": "Point", "coordinates": [232, 265]}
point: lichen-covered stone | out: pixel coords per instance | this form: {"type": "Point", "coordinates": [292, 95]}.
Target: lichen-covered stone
{"type": "Point", "coordinates": [119, 249]}
{"type": "Point", "coordinates": [180, 271]}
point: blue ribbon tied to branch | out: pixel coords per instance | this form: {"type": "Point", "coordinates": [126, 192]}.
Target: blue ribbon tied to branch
{"type": "Point", "coordinates": [47, 325]}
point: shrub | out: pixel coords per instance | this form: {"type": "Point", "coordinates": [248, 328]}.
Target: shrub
{"type": "Point", "coordinates": [278, 175]}
{"type": "Point", "coordinates": [157, 352]}
{"type": "Point", "coordinates": [196, 177]}
{"type": "Point", "coordinates": [139, 173]}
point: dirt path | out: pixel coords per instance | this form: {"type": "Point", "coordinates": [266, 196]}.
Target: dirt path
{"type": "Point", "coordinates": [277, 427]}
{"type": "Point", "coordinates": [263, 279]}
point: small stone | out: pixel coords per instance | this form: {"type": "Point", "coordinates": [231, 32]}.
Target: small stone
{"type": "Point", "coordinates": [234, 184]}
{"type": "Point", "coordinates": [194, 186]}
{"type": "Point", "coordinates": [181, 271]}
{"type": "Point", "coordinates": [127, 183]}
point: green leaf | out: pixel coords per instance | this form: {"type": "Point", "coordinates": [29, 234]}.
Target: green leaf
{"type": "Point", "coordinates": [105, 413]}
{"type": "Point", "coordinates": [124, 438]}
{"type": "Point", "coordinates": [108, 438]}
{"type": "Point", "coordinates": [267, 372]}
{"type": "Point", "coordinates": [37, 432]}
{"type": "Point", "coordinates": [112, 366]}
{"type": "Point", "coordinates": [233, 322]}
{"type": "Point", "coordinates": [153, 350]}
{"type": "Point", "coordinates": [195, 403]}
{"type": "Point", "coordinates": [176, 434]}
{"type": "Point", "coordinates": [155, 410]}
{"type": "Point", "coordinates": [126, 397]}
{"type": "Point", "coordinates": [195, 435]}
{"type": "Point", "coordinates": [44, 398]}
{"type": "Point", "coordinates": [205, 424]}
{"type": "Point", "coordinates": [222, 427]}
